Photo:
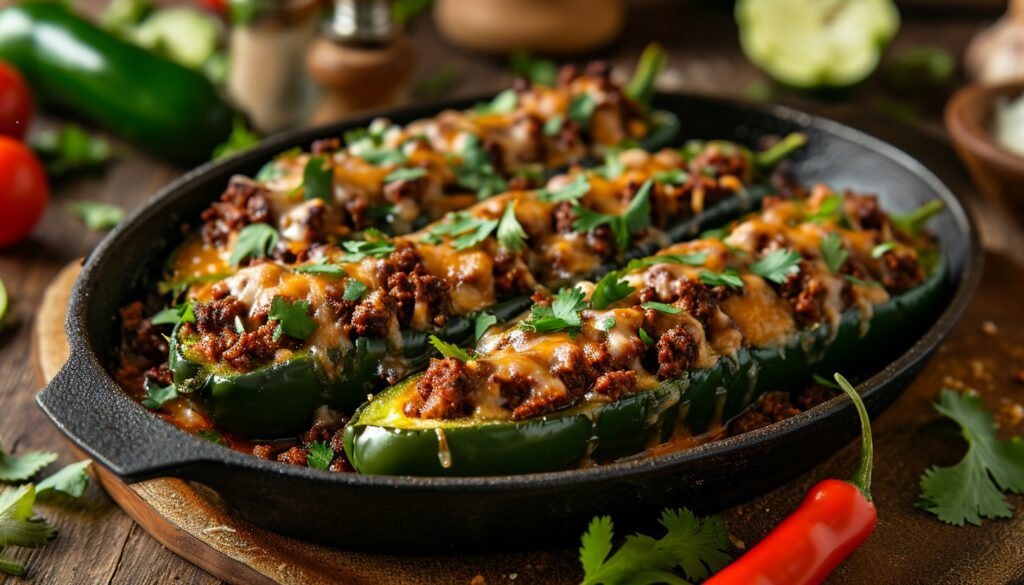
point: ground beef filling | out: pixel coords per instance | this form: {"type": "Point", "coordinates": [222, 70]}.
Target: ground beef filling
{"type": "Point", "coordinates": [220, 341]}
{"type": "Point", "coordinates": [244, 202]}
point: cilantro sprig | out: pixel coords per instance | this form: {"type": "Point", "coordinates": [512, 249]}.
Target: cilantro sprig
{"type": "Point", "coordinates": [320, 455]}
{"type": "Point", "coordinates": [611, 288]}
{"type": "Point", "coordinates": [635, 219]}
{"type": "Point", "coordinates": [510, 232]}
{"type": "Point", "coordinates": [476, 173]}
{"type": "Point", "coordinates": [321, 266]}
{"type": "Point", "coordinates": [571, 192]}
{"type": "Point", "coordinates": [375, 246]}
{"type": "Point", "coordinates": [292, 318]}
{"type": "Point", "coordinates": [157, 395]}
{"type": "Point", "coordinates": [728, 277]}
{"type": "Point", "coordinates": [255, 240]}
{"type": "Point", "coordinates": [465, 230]}
{"type": "Point", "coordinates": [449, 350]}
{"type": "Point", "coordinates": [482, 323]}
{"type": "Point", "coordinates": [833, 252]}
{"type": "Point", "coordinates": [563, 314]}
{"type": "Point", "coordinates": [696, 546]}
{"type": "Point", "coordinates": [973, 488]}
{"type": "Point", "coordinates": [777, 266]}
{"type": "Point", "coordinates": [318, 179]}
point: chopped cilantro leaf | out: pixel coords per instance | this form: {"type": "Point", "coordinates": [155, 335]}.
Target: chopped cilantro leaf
{"type": "Point", "coordinates": [861, 281]}
{"type": "Point", "coordinates": [553, 125]}
{"type": "Point", "coordinates": [318, 179]}
{"type": "Point", "coordinates": [449, 350]}
{"type": "Point", "coordinates": [18, 528]}
{"type": "Point", "coordinates": [510, 232]}
{"type": "Point", "coordinates": [99, 217]}
{"type": "Point", "coordinates": [610, 289]}
{"type": "Point", "coordinates": [503, 103]}
{"type": "Point", "coordinates": [475, 171]}
{"type": "Point", "coordinates": [691, 259]}
{"type": "Point", "coordinates": [467, 230]}
{"type": "Point", "coordinates": [715, 234]}
{"type": "Point", "coordinates": [827, 210]}
{"type": "Point", "coordinates": [156, 396]}
{"type": "Point", "coordinates": [254, 241]}
{"type": "Point", "coordinates": [563, 314]}
{"type": "Point", "coordinates": [671, 177]}
{"type": "Point", "coordinates": [644, 336]}
{"type": "Point", "coordinates": [833, 252]}
{"type": "Point", "coordinates": [354, 290]}
{"type": "Point", "coordinates": [174, 315]}
{"type": "Point", "coordinates": [571, 192]}
{"type": "Point", "coordinates": [240, 139]}
{"type": "Point", "coordinates": [729, 278]}
{"type": "Point", "coordinates": [538, 71]}
{"type": "Point", "coordinates": [72, 480]}
{"type": "Point", "coordinates": [483, 322]}
{"type": "Point", "coordinates": [664, 308]}
{"type": "Point", "coordinates": [292, 318]}
{"type": "Point", "coordinates": [607, 324]}
{"type": "Point", "coordinates": [320, 455]}
{"type": "Point", "coordinates": [635, 219]}
{"type": "Point", "coordinates": [777, 266]}
{"type": "Point", "coordinates": [973, 488]}
{"type": "Point", "coordinates": [613, 165]}
{"type": "Point", "coordinates": [880, 250]}
{"type": "Point", "coordinates": [581, 108]}
{"type": "Point", "coordinates": [406, 174]}
{"type": "Point", "coordinates": [697, 546]}
{"type": "Point", "coordinates": [211, 436]}
{"type": "Point", "coordinates": [321, 266]}
{"type": "Point", "coordinates": [359, 250]}
{"type": "Point", "coordinates": [23, 467]}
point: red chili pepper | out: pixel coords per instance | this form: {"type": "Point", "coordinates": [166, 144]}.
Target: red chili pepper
{"type": "Point", "coordinates": [835, 518]}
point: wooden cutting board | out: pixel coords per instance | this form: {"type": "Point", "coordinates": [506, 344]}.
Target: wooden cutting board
{"type": "Point", "coordinates": [984, 352]}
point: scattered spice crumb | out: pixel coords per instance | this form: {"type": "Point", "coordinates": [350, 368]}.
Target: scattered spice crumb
{"type": "Point", "coordinates": [1010, 414]}
{"type": "Point", "coordinates": [989, 328]}
{"type": "Point", "coordinates": [978, 370]}
{"type": "Point", "coordinates": [736, 542]}
{"type": "Point", "coordinates": [512, 576]}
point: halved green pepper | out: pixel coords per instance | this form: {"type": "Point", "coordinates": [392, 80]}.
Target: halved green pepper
{"type": "Point", "coordinates": [381, 440]}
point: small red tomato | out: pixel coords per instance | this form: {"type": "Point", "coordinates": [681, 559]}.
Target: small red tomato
{"type": "Point", "coordinates": [218, 6]}
{"type": "Point", "coordinates": [24, 191]}
{"type": "Point", "coordinates": [16, 108]}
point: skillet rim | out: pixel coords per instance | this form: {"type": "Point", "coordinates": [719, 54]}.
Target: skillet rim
{"type": "Point", "coordinates": [195, 454]}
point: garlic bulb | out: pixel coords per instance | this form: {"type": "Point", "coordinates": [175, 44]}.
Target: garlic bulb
{"type": "Point", "coordinates": [996, 55]}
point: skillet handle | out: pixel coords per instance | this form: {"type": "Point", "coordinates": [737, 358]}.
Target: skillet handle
{"type": "Point", "coordinates": [96, 415]}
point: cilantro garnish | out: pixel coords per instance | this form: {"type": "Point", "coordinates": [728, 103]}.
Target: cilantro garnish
{"type": "Point", "coordinates": [318, 179]}
{"type": "Point", "coordinates": [354, 290]}
{"type": "Point", "coordinates": [72, 480]}
{"type": "Point", "coordinates": [973, 488]}
{"type": "Point", "coordinates": [99, 217]}
{"type": "Point", "coordinates": [636, 218]}
{"type": "Point", "coordinates": [833, 252]}
{"type": "Point", "coordinates": [503, 103]}
{"type": "Point", "coordinates": [359, 250]}
{"type": "Point", "coordinates": [538, 71]}
{"type": "Point", "coordinates": [483, 322]}
{"type": "Point", "coordinates": [156, 396]}
{"type": "Point", "coordinates": [321, 266]}
{"type": "Point", "coordinates": [607, 324]}
{"type": "Point", "coordinates": [715, 234]}
{"type": "Point", "coordinates": [467, 230]}
{"type": "Point", "coordinates": [510, 232]}
{"type": "Point", "coordinates": [671, 177]}
{"type": "Point", "coordinates": [22, 467]}
{"type": "Point", "coordinates": [211, 436]}
{"type": "Point", "coordinates": [729, 278]}
{"type": "Point", "coordinates": [571, 192]}
{"type": "Point", "coordinates": [406, 174]}
{"type": "Point", "coordinates": [475, 172]}
{"type": "Point", "coordinates": [698, 546]}
{"type": "Point", "coordinates": [644, 336]}
{"type": "Point", "coordinates": [581, 108]}
{"type": "Point", "coordinates": [292, 318]}
{"type": "Point", "coordinates": [254, 241]}
{"type": "Point", "coordinates": [912, 221]}
{"type": "Point", "coordinates": [610, 289]}
{"type": "Point", "coordinates": [18, 528]}
{"type": "Point", "coordinates": [880, 250]}
{"type": "Point", "coordinates": [691, 259]}
{"type": "Point", "coordinates": [861, 281]}
{"type": "Point", "coordinates": [563, 314]}
{"type": "Point", "coordinates": [553, 125]}
{"type": "Point", "coordinates": [664, 308]}
{"type": "Point", "coordinates": [174, 315]}
{"type": "Point", "coordinates": [829, 209]}
{"type": "Point", "coordinates": [320, 455]}
{"type": "Point", "coordinates": [449, 350]}
{"type": "Point", "coordinates": [613, 165]}
{"type": "Point", "coordinates": [777, 266]}
{"type": "Point", "coordinates": [239, 325]}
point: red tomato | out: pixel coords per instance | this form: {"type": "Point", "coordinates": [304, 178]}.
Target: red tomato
{"type": "Point", "coordinates": [24, 191]}
{"type": "Point", "coordinates": [16, 108]}
{"type": "Point", "coordinates": [218, 6]}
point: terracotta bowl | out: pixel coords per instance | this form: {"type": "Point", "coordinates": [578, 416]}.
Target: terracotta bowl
{"type": "Point", "coordinates": [998, 172]}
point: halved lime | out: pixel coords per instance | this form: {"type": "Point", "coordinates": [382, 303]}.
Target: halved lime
{"type": "Point", "coordinates": [816, 43]}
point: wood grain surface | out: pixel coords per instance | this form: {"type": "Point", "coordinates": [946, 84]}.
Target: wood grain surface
{"type": "Point", "coordinates": [99, 543]}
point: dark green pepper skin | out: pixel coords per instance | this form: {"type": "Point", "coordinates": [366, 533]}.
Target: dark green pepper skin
{"type": "Point", "coordinates": [696, 402]}
{"type": "Point", "coordinates": [69, 62]}
{"type": "Point", "coordinates": [279, 399]}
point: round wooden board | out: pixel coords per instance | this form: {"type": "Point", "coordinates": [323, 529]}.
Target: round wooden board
{"type": "Point", "coordinates": [908, 546]}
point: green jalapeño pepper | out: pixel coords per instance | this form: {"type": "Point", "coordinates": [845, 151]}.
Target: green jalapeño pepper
{"type": "Point", "coordinates": [161, 105]}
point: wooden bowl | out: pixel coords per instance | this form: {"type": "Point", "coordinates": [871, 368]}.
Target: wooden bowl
{"type": "Point", "coordinates": [998, 172]}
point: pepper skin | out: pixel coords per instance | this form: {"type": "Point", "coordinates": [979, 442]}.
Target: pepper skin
{"type": "Point", "coordinates": [163, 106]}
{"type": "Point", "coordinates": [380, 439]}
{"type": "Point", "coordinates": [833, 521]}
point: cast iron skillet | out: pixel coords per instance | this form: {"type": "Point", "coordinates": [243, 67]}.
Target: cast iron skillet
{"type": "Point", "coordinates": [419, 514]}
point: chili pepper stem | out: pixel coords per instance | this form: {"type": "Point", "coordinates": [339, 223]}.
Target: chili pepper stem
{"type": "Point", "coordinates": [861, 478]}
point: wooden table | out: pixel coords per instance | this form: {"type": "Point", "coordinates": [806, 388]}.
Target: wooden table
{"type": "Point", "coordinates": [98, 543]}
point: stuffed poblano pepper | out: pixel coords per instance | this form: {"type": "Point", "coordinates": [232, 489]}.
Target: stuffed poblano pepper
{"type": "Point", "coordinates": [671, 347]}
{"type": "Point", "coordinates": [276, 327]}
